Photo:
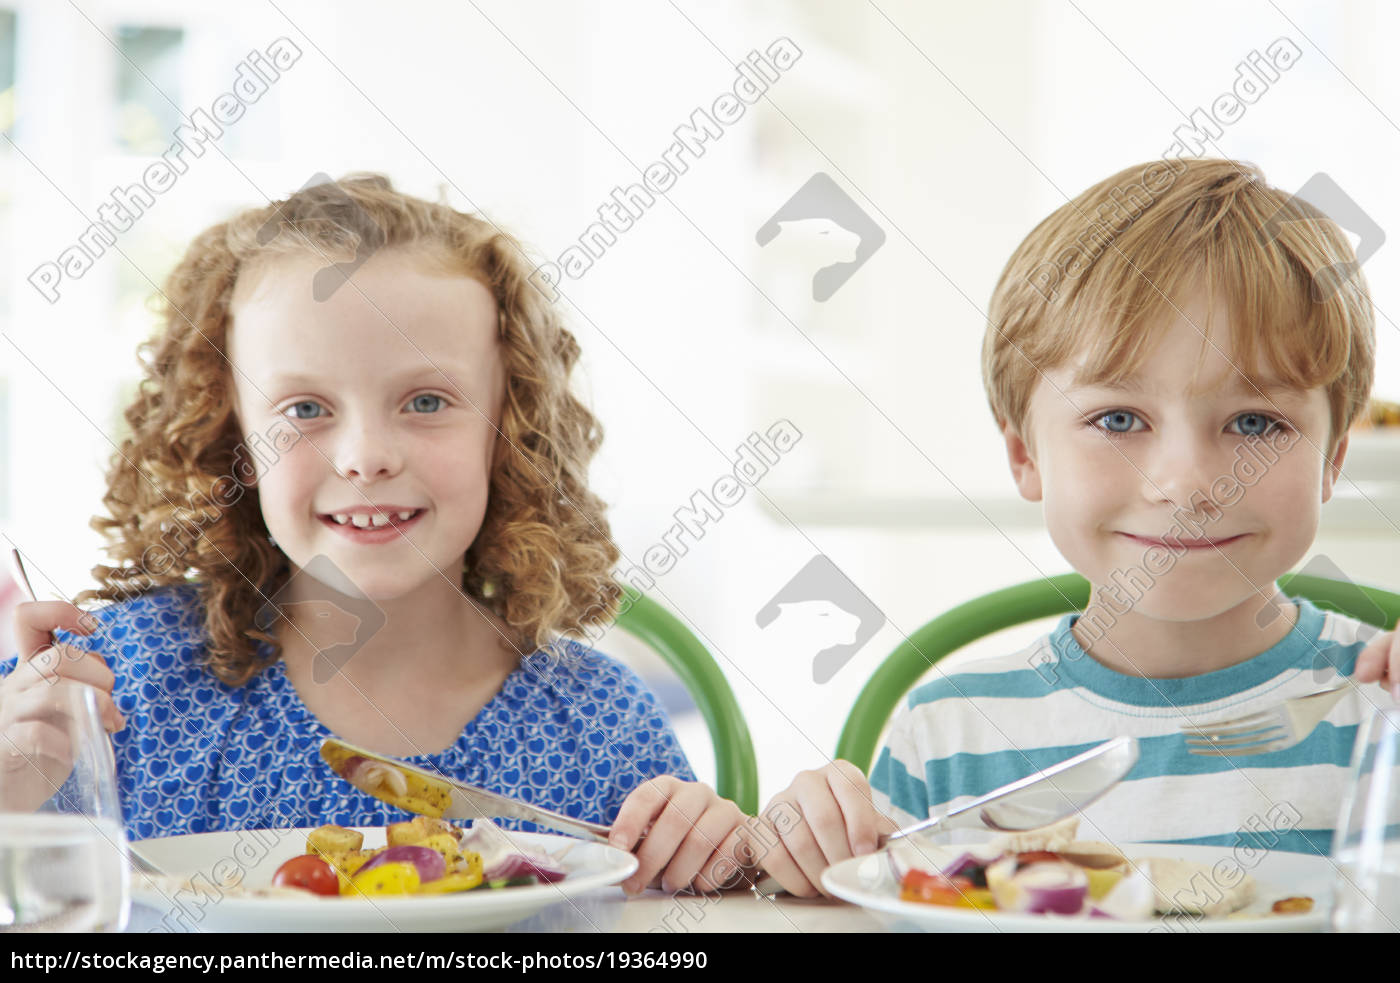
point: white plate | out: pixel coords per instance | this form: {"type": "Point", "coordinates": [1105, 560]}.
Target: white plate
{"type": "Point", "coordinates": [249, 858]}
{"type": "Point", "coordinates": [869, 882]}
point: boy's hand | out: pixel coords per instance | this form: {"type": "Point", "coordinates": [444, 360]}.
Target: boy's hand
{"type": "Point", "coordinates": [692, 830]}
{"type": "Point", "coordinates": [837, 821]}
{"type": "Point", "coordinates": [34, 753]}
{"type": "Point", "coordinates": [1380, 662]}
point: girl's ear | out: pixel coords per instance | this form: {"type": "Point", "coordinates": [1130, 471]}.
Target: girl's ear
{"type": "Point", "coordinates": [1023, 467]}
{"type": "Point", "coordinates": [1331, 470]}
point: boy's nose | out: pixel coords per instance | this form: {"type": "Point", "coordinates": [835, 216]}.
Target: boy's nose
{"type": "Point", "coordinates": [1181, 474]}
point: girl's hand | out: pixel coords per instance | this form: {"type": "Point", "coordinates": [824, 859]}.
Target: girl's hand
{"type": "Point", "coordinates": [835, 821]}
{"type": "Point", "coordinates": [693, 840]}
{"type": "Point", "coordinates": [1379, 662]}
{"type": "Point", "coordinates": [34, 752]}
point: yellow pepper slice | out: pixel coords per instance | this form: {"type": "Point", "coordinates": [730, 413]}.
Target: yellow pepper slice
{"type": "Point", "coordinates": [979, 897]}
{"type": "Point", "coordinates": [1102, 881]}
{"type": "Point", "coordinates": [392, 878]}
{"type": "Point", "coordinates": [451, 883]}
{"type": "Point", "coordinates": [347, 865]}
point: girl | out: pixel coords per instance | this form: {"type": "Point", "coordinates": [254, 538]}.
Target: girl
{"type": "Point", "coordinates": [353, 503]}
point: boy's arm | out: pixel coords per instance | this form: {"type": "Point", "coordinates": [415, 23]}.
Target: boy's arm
{"type": "Point", "coordinates": [825, 816]}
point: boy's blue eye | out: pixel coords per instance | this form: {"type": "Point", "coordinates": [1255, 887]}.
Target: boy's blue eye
{"type": "Point", "coordinates": [1119, 421]}
{"type": "Point", "coordinates": [426, 403]}
{"type": "Point", "coordinates": [312, 407]}
{"type": "Point", "coordinates": [1254, 424]}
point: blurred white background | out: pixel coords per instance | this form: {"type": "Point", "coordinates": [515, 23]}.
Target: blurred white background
{"type": "Point", "coordinates": [955, 127]}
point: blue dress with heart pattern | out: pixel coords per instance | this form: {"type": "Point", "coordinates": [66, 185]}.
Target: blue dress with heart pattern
{"type": "Point", "coordinates": [199, 756]}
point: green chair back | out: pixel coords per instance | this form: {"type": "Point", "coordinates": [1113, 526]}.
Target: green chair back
{"type": "Point", "coordinates": [735, 764]}
{"type": "Point", "coordinates": [991, 613]}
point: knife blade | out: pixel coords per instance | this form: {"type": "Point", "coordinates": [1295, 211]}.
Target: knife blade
{"type": "Point", "coordinates": [427, 793]}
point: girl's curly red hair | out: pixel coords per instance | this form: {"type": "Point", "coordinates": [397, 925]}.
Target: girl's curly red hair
{"type": "Point", "coordinates": [542, 561]}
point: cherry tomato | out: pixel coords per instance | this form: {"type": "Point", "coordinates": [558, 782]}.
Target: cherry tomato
{"type": "Point", "coordinates": [308, 872]}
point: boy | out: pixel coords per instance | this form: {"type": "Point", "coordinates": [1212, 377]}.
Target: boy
{"type": "Point", "coordinates": [1174, 359]}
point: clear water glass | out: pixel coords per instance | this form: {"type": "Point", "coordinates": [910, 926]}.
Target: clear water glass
{"type": "Point", "coordinates": [1366, 848]}
{"type": "Point", "coordinates": [63, 866]}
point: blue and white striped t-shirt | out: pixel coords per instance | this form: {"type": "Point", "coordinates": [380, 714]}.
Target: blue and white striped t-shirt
{"type": "Point", "coordinates": [998, 720]}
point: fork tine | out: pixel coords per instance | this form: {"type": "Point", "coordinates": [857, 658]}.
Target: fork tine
{"type": "Point", "coordinates": [1241, 752]}
{"type": "Point", "coordinates": [1218, 733]}
{"type": "Point", "coordinates": [1272, 734]}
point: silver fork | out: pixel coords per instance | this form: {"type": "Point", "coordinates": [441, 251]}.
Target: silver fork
{"type": "Point", "coordinates": [1273, 729]}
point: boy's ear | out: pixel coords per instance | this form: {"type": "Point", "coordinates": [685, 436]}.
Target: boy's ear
{"type": "Point", "coordinates": [1332, 469]}
{"type": "Point", "coordinates": [1023, 467]}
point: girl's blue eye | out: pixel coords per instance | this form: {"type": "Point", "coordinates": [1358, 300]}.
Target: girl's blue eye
{"type": "Point", "coordinates": [426, 403]}
{"type": "Point", "coordinates": [1254, 424]}
{"type": "Point", "coordinates": [312, 407]}
{"type": "Point", "coordinates": [1117, 422]}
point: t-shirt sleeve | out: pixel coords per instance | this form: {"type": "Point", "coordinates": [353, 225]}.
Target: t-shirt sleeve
{"type": "Point", "coordinates": [897, 780]}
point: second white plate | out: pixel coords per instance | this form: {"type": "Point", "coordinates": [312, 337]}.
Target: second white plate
{"type": "Point", "coordinates": [868, 882]}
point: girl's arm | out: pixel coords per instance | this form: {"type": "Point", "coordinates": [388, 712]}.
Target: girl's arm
{"type": "Point", "coordinates": [694, 840]}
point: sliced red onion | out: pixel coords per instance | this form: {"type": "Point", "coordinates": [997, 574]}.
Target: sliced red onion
{"type": "Point", "coordinates": [1043, 888]}
{"type": "Point", "coordinates": [501, 858]}
{"type": "Point", "coordinates": [522, 865]}
{"type": "Point", "coordinates": [429, 862]}
{"type": "Point", "coordinates": [371, 776]}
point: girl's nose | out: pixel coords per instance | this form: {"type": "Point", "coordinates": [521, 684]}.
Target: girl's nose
{"type": "Point", "coordinates": [367, 452]}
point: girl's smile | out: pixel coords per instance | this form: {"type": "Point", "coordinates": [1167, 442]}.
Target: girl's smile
{"type": "Point", "coordinates": [370, 525]}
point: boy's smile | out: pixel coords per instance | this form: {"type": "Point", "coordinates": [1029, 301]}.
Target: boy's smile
{"type": "Point", "coordinates": [1181, 493]}
{"type": "Point", "coordinates": [396, 384]}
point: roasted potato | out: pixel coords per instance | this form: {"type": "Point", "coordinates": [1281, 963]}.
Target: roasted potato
{"type": "Point", "coordinates": [329, 840]}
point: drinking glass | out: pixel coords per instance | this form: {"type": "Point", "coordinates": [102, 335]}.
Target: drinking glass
{"type": "Point", "coordinates": [63, 866]}
{"type": "Point", "coordinates": [1366, 847]}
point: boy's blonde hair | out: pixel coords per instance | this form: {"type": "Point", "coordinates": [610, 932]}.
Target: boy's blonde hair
{"type": "Point", "coordinates": [1099, 276]}
{"type": "Point", "coordinates": [542, 561]}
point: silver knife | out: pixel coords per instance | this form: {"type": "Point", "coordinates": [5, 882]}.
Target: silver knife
{"type": "Point", "coordinates": [1042, 798]}
{"type": "Point", "coordinates": [431, 794]}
